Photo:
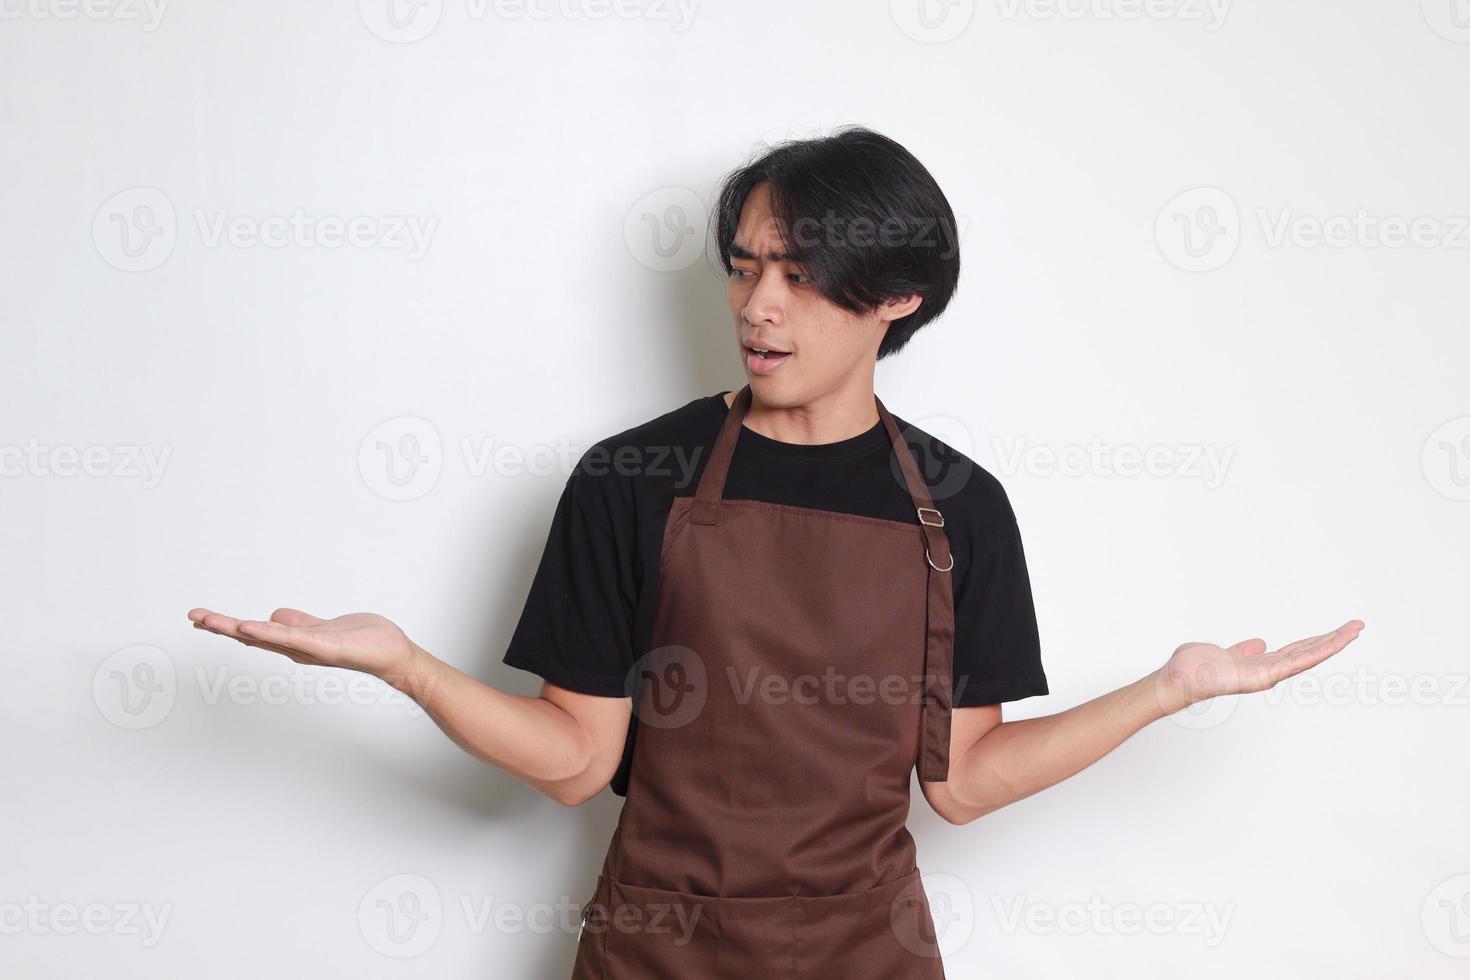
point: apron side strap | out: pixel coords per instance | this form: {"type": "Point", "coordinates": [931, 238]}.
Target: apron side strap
{"type": "Point", "coordinates": [937, 712]}
{"type": "Point", "coordinates": [936, 716]}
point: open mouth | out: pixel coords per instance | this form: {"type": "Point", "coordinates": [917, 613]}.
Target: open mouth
{"type": "Point", "coordinates": [763, 360]}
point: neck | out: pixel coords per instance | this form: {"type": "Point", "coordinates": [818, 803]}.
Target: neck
{"type": "Point", "coordinates": [841, 413]}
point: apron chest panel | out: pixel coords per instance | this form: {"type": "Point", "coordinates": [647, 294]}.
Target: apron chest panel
{"type": "Point", "coordinates": [801, 672]}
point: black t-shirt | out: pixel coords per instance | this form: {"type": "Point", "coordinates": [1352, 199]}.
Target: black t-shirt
{"type": "Point", "coordinates": [589, 614]}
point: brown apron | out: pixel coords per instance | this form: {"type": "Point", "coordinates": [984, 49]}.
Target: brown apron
{"type": "Point", "coordinates": [801, 669]}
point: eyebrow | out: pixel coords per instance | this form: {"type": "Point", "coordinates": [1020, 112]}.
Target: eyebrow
{"type": "Point", "coordinates": [738, 251]}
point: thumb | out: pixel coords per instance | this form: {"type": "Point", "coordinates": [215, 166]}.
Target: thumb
{"type": "Point", "coordinates": [294, 617]}
{"type": "Point", "coordinates": [1250, 648]}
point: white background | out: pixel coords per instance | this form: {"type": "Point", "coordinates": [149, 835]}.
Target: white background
{"type": "Point", "coordinates": [1100, 313]}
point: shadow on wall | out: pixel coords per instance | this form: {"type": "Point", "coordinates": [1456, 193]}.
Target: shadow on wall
{"type": "Point", "coordinates": [701, 336]}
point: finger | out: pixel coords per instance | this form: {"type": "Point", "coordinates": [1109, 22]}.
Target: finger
{"type": "Point", "coordinates": [300, 639]}
{"type": "Point", "coordinates": [294, 617]}
{"type": "Point", "coordinates": [1296, 645]}
{"type": "Point", "coordinates": [1314, 653]}
{"type": "Point", "coordinates": [1249, 648]}
{"type": "Point", "coordinates": [219, 623]}
{"type": "Point", "coordinates": [300, 658]}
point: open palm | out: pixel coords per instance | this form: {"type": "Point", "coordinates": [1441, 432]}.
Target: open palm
{"type": "Point", "coordinates": [1199, 671]}
{"type": "Point", "coordinates": [357, 641]}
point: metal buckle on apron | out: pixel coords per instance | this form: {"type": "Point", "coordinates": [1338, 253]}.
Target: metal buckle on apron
{"type": "Point", "coordinates": [936, 567]}
{"type": "Point", "coordinates": [930, 523]}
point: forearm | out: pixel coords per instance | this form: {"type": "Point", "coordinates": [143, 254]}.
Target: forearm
{"type": "Point", "coordinates": [528, 737]}
{"type": "Point", "coordinates": [1018, 758]}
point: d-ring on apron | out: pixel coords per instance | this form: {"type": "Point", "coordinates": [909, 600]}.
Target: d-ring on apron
{"type": "Point", "coordinates": [801, 669]}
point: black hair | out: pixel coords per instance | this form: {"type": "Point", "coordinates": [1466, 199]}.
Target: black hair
{"type": "Point", "coordinates": [861, 215]}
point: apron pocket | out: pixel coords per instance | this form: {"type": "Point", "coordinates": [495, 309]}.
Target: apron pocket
{"type": "Point", "coordinates": [655, 934]}
{"type": "Point", "coordinates": [882, 933]}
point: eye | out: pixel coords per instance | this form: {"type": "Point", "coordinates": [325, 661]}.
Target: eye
{"type": "Point", "coordinates": [736, 273]}
{"type": "Point", "coordinates": [799, 278]}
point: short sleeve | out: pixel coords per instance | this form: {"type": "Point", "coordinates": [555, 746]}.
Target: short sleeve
{"type": "Point", "coordinates": [997, 653]}
{"type": "Point", "coordinates": [576, 629]}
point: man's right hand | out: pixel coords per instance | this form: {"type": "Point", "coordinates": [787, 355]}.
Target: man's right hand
{"type": "Point", "coordinates": [358, 641]}
{"type": "Point", "coordinates": [563, 743]}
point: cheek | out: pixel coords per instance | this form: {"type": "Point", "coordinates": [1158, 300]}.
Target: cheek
{"type": "Point", "coordinates": [845, 339]}
{"type": "Point", "coordinates": [737, 294]}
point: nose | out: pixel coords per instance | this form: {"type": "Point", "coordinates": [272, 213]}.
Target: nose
{"type": "Point", "coordinates": [767, 302]}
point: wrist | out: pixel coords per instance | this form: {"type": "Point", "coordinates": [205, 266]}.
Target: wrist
{"type": "Point", "coordinates": [414, 675]}
{"type": "Point", "coordinates": [1167, 693]}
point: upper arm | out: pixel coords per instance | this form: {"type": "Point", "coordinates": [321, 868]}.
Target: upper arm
{"type": "Point", "coordinates": [967, 727]}
{"type": "Point", "coordinates": [604, 726]}
{"type": "Point", "coordinates": [997, 652]}
{"type": "Point", "coordinates": [576, 630]}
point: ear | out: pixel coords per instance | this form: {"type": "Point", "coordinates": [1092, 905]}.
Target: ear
{"type": "Point", "coordinates": [898, 307]}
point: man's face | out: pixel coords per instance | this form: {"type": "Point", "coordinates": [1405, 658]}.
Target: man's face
{"type": "Point", "coordinates": [816, 346]}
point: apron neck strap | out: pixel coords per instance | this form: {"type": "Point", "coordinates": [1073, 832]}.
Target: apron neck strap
{"type": "Point", "coordinates": [711, 488]}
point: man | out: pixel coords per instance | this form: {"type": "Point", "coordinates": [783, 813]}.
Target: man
{"type": "Point", "coordinates": [805, 602]}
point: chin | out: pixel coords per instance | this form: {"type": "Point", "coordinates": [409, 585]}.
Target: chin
{"type": "Point", "coordinates": [774, 392]}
